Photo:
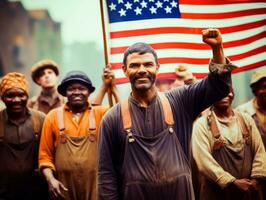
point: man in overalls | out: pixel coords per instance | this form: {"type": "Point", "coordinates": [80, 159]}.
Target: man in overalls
{"type": "Point", "coordinates": [68, 148]}
{"type": "Point", "coordinates": [145, 141]}
{"type": "Point", "coordinates": [229, 153]}
{"type": "Point", "coordinates": [20, 129]}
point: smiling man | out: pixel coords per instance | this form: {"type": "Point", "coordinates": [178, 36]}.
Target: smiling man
{"type": "Point", "coordinates": [67, 156]}
{"type": "Point", "coordinates": [144, 141]}
{"type": "Point", "coordinates": [229, 152]}
{"type": "Point", "coordinates": [20, 128]}
{"type": "Point", "coordinates": [45, 74]}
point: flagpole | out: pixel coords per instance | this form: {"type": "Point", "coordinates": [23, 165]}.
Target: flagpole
{"type": "Point", "coordinates": [109, 92]}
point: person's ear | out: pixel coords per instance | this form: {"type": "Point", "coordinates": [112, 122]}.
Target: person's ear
{"type": "Point", "coordinates": [124, 68]}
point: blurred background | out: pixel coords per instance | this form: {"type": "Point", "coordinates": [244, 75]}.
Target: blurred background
{"type": "Point", "coordinates": [68, 32]}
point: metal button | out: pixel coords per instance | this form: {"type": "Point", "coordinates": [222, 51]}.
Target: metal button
{"type": "Point", "coordinates": [171, 130]}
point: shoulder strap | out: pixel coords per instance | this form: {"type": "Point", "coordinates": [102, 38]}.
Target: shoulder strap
{"type": "Point", "coordinates": [125, 114]}
{"type": "Point", "coordinates": [2, 124]}
{"type": "Point", "coordinates": [213, 125]}
{"type": "Point", "coordinates": [168, 114]}
{"type": "Point", "coordinates": [244, 128]}
{"type": "Point", "coordinates": [60, 119]}
{"type": "Point", "coordinates": [92, 122]}
{"type": "Point", "coordinates": [36, 121]}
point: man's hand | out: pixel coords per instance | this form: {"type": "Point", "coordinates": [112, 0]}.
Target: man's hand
{"type": "Point", "coordinates": [212, 37]}
{"type": "Point", "coordinates": [243, 184]}
{"type": "Point", "coordinates": [108, 76]}
{"type": "Point", "coordinates": [55, 188]}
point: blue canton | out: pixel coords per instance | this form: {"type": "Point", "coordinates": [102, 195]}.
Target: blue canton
{"type": "Point", "coordinates": [131, 10]}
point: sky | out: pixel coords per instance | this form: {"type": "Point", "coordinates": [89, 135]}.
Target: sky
{"type": "Point", "coordinates": [81, 20]}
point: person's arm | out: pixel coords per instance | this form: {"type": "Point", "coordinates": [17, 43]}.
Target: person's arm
{"type": "Point", "coordinates": [107, 174]}
{"type": "Point", "coordinates": [202, 143]}
{"type": "Point", "coordinates": [108, 82]}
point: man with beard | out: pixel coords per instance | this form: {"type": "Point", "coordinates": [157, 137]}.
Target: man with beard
{"type": "Point", "coordinates": [256, 107]}
{"type": "Point", "coordinates": [144, 141]}
{"type": "Point", "coordinates": [229, 153]}
{"type": "Point", "coordinates": [67, 156]}
{"type": "Point", "coordinates": [45, 74]}
{"type": "Point", "coordinates": [20, 128]}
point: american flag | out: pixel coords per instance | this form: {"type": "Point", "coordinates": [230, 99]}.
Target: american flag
{"type": "Point", "coordinates": [173, 29]}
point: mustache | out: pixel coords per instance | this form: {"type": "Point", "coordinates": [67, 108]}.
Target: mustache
{"type": "Point", "coordinates": [141, 76]}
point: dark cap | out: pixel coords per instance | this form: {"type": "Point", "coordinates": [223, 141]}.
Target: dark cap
{"type": "Point", "coordinates": [75, 76]}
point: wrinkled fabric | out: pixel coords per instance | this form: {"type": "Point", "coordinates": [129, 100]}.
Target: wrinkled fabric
{"type": "Point", "coordinates": [186, 102]}
{"type": "Point", "coordinates": [19, 178]}
{"type": "Point", "coordinates": [75, 162]}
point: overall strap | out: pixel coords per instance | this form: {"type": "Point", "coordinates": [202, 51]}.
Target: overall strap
{"type": "Point", "coordinates": [244, 128]}
{"type": "Point", "coordinates": [36, 122]}
{"type": "Point", "coordinates": [60, 120]}
{"type": "Point", "coordinates": [213, 125]}
{"type": "Point", "coordinates": [2, 125]}
{"type": "Point", "coordinates": [127, 123]}
{"type": "Point", "coordinates": [92, 122]}
{"type": "Point", "coordinates": [168, 114]}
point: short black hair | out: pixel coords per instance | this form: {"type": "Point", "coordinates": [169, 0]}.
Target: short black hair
{"type": "Point", "coordinates": [141, 48]}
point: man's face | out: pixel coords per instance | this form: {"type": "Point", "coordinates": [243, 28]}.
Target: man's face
{"type": "Point", "coordinates": [47, 79]}
{"type": "Point", "coordinates": [226, 102]}
{"type": "Point", "coordinates": [15, 100]}
{"type": "Point", "coordinates": [141, 71]}
{"type": "Point", "coordinates": [260, 93]}
{"type": "Point", "coordinates": [77, 94]}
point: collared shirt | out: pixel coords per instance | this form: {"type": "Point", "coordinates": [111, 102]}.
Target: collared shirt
{"type": "Point", "coordinates": [74, 128]}
{"type": "Point", "coordinates": [45, 103]}
{"type": "Point", "coordinates": [22, 132]}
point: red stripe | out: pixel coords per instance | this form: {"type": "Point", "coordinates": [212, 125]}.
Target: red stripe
{"type": "Point", "coordinates": [218, 2]}
{"type": "Point", "coordinates": [248, 53]}
{"type": "Point", "coordinates": [202, 75]}
{"type": "Point", "coordinates": [201, 61]}
{"type": "Point", "coordinates": [185, 30]}
{"type": "Point", "coordinates": [224, 15]}
{"type": "Point", "coordinates": [194, 46]}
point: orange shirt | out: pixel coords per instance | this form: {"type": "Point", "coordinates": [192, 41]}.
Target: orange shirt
{"type": "Point", "coordinates": [50, 131]}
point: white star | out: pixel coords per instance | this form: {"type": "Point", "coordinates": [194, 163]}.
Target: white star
{"type": "Point", "coordinates": [122, 12]}
{"type": "Point", "coordinates": [136, 1]}
{"type": "Point", "coordinates": [128, 5]}
{"type": "Point", "coordinates": [151, 0]}
{"type": "Point", "coordinates": [112, 6]}
{"type": "Point", "coordinates": [159, 4]}
{"type": "Point", "coordinates": [168, 9]}
{"type": "Point", "coordinates": [166, 0]}
{"type": "Point", "coordinates": [120, 1]}
{"type": "Point", "coordinates": [138, 11]}
{"type": "Point", "coordinates": [153, 10]}
{"type": "Point", "coordinates": [173, 4]}
{"type": "Point", "coordinates": [143, 4]}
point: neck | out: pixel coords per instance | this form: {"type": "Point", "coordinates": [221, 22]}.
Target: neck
{"type": "Point", "coordinates": [77, 109]}
{"type": "Point", "coordinates": [17, 117]}
{"type": "Point", "coordinates": [144, 98]}
{"type": "Point", "coordinates": [49, 91]}
{"type": "Point", "coordinates": [223, 113]}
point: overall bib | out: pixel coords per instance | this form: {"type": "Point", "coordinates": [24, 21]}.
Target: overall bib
{"type": "Point", "coordinates": [239, 164]}
{"type": "Point", "coordinates": [155, 167]}
{"type": "Point", "coordinates": [19, 178]}
{"type": "Point", "coordinates": [75, 161]}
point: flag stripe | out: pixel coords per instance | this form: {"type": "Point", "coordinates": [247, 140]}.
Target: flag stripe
{"type": "Point", "coordinates": [179, 40]}
{"type": "Point", "coordinates": [184, 30]}
{"type": "Point", "coordinates": [196, 46]}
